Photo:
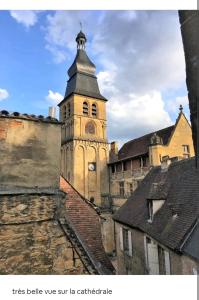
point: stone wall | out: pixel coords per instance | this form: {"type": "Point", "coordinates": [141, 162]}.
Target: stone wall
{"type": "Point", "coordinates": [31, 238]}
{"type": "Point", "coordinates": [136, 264]}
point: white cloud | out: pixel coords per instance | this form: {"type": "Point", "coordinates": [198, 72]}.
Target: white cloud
{"type": "Point", "coordinates": [139, 56]}
{"type": "Point", "coordinates": [136, 116]}
{"type": "Point", "coordinates": [3, 94]}
{"type": "Point", "coordinates": [26, 17]}
{"type": "Point", "coordinates": [54, 97]}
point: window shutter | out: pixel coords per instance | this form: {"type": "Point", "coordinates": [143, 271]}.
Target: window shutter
{"type": "Point", "coordinates": [130, 243]}
{"type": "Point", "coordinates": [121, 239]}
{"type": "Point", "coordinates": [167, 262]}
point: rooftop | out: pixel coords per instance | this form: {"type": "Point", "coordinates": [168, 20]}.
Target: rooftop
{"type": "Point", "coordinates": [179, 187]}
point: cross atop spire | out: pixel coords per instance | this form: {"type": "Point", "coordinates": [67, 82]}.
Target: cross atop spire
{"type": "Point", "coordinates": [181, 108]}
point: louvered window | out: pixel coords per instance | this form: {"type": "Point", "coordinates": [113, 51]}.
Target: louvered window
{"type": "Point", "coordinates": [94, 110]}
{"type": "Point", "coordinates": [85, 108]}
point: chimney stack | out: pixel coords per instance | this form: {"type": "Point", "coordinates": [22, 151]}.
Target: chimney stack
{"type": "Point", "coordinates": [52, 111]}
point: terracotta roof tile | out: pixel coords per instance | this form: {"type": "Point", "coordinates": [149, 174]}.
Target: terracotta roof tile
{"type": "Point", "coordinates": [85, 221]}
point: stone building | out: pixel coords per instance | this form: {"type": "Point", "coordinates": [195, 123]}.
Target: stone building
{"type": "Point", "coordinates": [157, 229]}
{"type": "Point", "coordinates": [85, 149]}
{"type": "Point", "coordinates": [130, 165]}
{"type": "Point", "coordinates": [39, 233]}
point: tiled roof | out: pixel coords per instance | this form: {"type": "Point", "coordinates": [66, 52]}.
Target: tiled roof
{"type": "Point", "coordinates": [32, 117]}
{"type": "Point", "coordinates": [140, 145]}
{"type": "Point", "coordinates": [85, 222]}
{"type": "Point", "coordinates": [175, 219]}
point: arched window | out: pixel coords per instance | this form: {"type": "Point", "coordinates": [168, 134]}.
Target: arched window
{"type": "Point", "coordinates": [85, 108]}
{"type": "Point", "coordinates": [64, 112]}
{"type": "Point", "coordinates": [94, 110]}
{"type": "Point", "coordinates": [68, 109]}
{"type": "Point", "coordinates": [90, 128]}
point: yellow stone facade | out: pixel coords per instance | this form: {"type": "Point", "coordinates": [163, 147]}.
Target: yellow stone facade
{"type": "Point", "coordinates": [130, 171]}
{"type": "Point", "coordinates": [85, 150]}
{"type": "Point", "coordinates": [180, 143]}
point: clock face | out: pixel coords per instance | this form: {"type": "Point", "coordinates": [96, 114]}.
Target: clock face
{"type": "Point", "coordinates": [92, 166]}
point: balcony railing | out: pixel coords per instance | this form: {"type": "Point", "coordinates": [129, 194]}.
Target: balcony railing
{"type": "Point", "coordinates": [139, 172]}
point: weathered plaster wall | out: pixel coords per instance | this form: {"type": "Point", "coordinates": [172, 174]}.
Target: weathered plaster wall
{"type": "Point", "coordinates": [29, 153]}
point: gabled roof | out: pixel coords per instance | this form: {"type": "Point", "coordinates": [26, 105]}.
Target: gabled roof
{"type": "Point", "coordinates": [174, 221]}
{"type": "Point", "coordinates": [140, 145]}
{"type": "Point", "coordinates": [83, 220]}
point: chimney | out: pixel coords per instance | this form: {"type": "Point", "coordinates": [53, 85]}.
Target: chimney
{"type": "Point", "coordinates": [114, 148]}
{"type": "Point", "coordinates": [165, 163]}
{"type": "Point", "coordinates": [52, 111]}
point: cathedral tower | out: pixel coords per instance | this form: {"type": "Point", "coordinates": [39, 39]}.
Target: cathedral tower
{"type": "Point", "coordinates": [84, 143]}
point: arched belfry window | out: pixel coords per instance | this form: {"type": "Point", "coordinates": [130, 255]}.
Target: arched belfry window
{"type": "Point", "coordinates": [68, 109]}
{"type": "Point", "coordinates": [90, 128]}
{"type": "Point", "coordinates": [94, 110]}
{"type": "Point", "coordinates": [85, 108]}
{"type": "Point", "coordinates": [64, 112]}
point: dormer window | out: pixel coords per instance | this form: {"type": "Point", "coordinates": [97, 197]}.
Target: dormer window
{"type": "Point", "coordinates": [85, 108]}
{"type": "Point", "coordinates": [153, 206]}
{"type": "Point", "coordinates": [150, 210]}
{"type": "Point", "coordinates": [94, 110]}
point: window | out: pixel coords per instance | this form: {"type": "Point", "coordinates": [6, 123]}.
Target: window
{"type": "Point", "coordinates": [118, 167]}
{"type": "Point", "coordinates": [131, 188]}
{"type": "Point", "coordinates": [186, 151]}
{"type": "Point", "coordinates": [157, 258]}
{"type": "Point", "coordinates": [94, 110]}
{"type": "Point", "coordinates": [113, 168]}
{"type": "Point", "coordinates": [90, 128]}
{"type": "Point", "coordinates": [185, 148]}
{"type": "Point", "coordinates": [143, 161]}
{"type": "Point", "coordinates": [126, 165]}
{"type": "Point", "coordinates": [126, 241]}
{"type": "Point", "coordinates": [150, 210]}
{"type": "Point", "coordinates": [121, 188]}
{"type": "Point", "coordinates": [85, 108]}
{"type": "Point", "coordinates": [68, 109]}
{"type": "Point", "coordinates": [64, 112]}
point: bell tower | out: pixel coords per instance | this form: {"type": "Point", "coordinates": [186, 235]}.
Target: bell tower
{"type": "Point", "coordinates": [85, 149]}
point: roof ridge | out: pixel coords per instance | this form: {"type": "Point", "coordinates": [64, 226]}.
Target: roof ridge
{"type": "Point", "coordinates": [147, 134]}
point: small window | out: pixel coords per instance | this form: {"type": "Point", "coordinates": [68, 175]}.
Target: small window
{"type": "Point", "coordinates": [85, 108]}
{"type": "Point", "coordinates": [90, 128]}
{"type": "Point", "coordinates": [68, 109]}
{"type": "Point", "coordinates": [131, 188]}
{"type": "Point", "coordinates": [121, 188]}
{"type": "Point", "coordinates": [150, 210]}
{"type": "Point", "coordinates": [113, 168]}
{"type": "Point", "coordinates": [186, 149]}
{"type": "Point", "coordinates": [64, 112]}
{"type": "Point", "coordinates": [94, 110]}
{"type": "Point", "coordinates": [126, 241]}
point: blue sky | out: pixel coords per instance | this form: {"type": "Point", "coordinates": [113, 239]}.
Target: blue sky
{"type": "Point", "coordinates": [138, 55]}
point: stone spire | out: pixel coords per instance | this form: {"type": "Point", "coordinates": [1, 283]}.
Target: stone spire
{"type": "Point", "coordinates": [82, 78]}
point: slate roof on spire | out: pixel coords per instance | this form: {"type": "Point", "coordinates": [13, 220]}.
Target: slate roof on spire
{"type": "Point", "coordinates": [82, 79]}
